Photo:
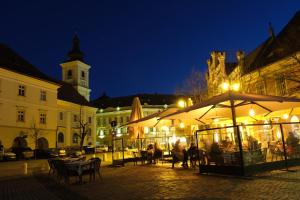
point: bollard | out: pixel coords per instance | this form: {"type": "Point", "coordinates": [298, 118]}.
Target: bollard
{"type": "Point", "coordinates": [25, 168]}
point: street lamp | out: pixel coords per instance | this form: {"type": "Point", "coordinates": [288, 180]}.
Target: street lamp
{"type": "Point", "coordinates": [234, 87]}
{"type": "Point", "coordinates": [181, 104]}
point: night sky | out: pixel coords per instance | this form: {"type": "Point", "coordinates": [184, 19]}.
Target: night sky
{"type": "Point", "coordinates": [138, 46]}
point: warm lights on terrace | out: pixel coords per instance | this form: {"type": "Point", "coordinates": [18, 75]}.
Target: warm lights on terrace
{"type": "Point", "coordinates": [181, 104]}
{"type": "Point", "coordinates": [234, 87]}
{"type": "Point", "coordinates": [285, 116]}
{"type": "Point", "coordinates": [252, 112]}
{"type": "Point", "coordinates": [181, 125]}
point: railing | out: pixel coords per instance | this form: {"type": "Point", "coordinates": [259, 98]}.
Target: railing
{"type": "Point", "coordinates": [131, 150]}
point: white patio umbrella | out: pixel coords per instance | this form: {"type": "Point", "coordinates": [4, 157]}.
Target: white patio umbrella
{"type": "Point", "coordinates": [231, 105]}
{"type": "Point", "coordinates": [136, 114]}
{"type": "Point", "coordinates": [151, 120]}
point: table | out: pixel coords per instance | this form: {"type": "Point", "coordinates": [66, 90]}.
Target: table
{"type": "Point", "coordinates": [79, 167]}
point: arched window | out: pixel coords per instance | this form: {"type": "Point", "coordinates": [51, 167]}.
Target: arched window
{"type": "Point", "coordinates": [60, 137]}
{"type": "Point", "coordinates": [69, 74]}
{"type": "Point", "coordinates": [75, 138]}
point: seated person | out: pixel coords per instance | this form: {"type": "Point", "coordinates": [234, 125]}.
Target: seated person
{"type": "Point", "coordinates": [291, 142]}
{"type": "Point", "coordinates": [216, 153]}
{"type": "Point", "coordinates": [157, 151]}
{"type": "Point", "coordinates": [150, 153]}
{"type": "Point", "coordinates": [227, 144]}
{"type": "Point", "coordinates": [252, 143]}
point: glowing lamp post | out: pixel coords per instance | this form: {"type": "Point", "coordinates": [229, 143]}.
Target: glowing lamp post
{"type": "Point", "coordinates": [232, 87]}
{"type": "Point", "coordinates": [181, 104]}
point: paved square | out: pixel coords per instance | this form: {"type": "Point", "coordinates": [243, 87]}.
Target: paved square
{"type": "Point", "coordinates": [155, 182]}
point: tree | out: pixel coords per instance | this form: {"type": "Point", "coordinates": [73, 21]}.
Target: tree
{"type": "Point", "coordinates": [84, 128]}
{"type": "Point", "coordinates": [194, 85]}
{"type": "Point", "coordinates": [35, 134]}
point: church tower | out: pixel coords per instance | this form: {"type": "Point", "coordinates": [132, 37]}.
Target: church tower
{"type": "Point", "coordinates": [75, 71]}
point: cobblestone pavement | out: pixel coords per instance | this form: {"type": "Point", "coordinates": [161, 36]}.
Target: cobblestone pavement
{"type": "Point", "coordinates": [156, 182]}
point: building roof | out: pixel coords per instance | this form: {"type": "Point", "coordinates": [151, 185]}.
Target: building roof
{"type": "Point", "coordinates": [146, 99]}
{"type": "Point", "coordinates": [275, 47]}
{"type": "Point", "coordinates": [12, 61]}
{"type": "Point", "coordinates": [68, 93]}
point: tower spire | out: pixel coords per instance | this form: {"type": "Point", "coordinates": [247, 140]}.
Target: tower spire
{"type": "Point", "coordinates": [75, 53]}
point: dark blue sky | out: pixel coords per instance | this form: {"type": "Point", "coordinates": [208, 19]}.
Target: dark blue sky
{"type": "Point", "coordinates": [138, 46]}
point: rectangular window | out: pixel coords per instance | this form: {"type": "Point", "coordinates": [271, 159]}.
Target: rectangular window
{"type": "Point", "coordinates": [75, 118]}
{"type": "Point", "coordinates": [43, 96]}
{"type": "Point", "coordinates": [82, 74]}
{"type": "Point", "coordinates": [90, 120]}
{"type": "Point", "coordinates": [69, 74]}
{"type": "Point", "coordinates": [61, 116]}
{"type": "Point", "coordinates": [127, 118]}
{"type": "Point", "coordinates": [121, 120]}
{"type": "Point", "coordinates": [21, 90]}
{"type": "Point", "coordinates": [280, 86]}
{"type": "Point", "coordinates": [21, 116]}
{"type": "Point", "coordinates": [260, 88]}
{"type": "Point", "coordinates": [43, 117]}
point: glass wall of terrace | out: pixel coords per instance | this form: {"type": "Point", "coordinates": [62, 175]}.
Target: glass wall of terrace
{"type": "Point", "coordinates": [243, 134]}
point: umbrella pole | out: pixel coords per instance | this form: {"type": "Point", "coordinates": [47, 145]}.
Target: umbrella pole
{"type": "Point", "coordinates": [237, 133]}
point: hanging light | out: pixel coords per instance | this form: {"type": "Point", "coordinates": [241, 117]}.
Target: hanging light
{"type": "Point", "coordinates": [216, 120]}
{"type": "Point", "coordinates": [181, 125]}
{"type": "Point", "coordinates": [285, 116]}
{"type": "Point", "coordinates": [252, 112]}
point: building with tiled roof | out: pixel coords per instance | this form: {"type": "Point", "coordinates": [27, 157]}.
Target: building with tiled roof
{"type": "Point", "coordinates": [32, 103]}
{"type": "Point", "coordinates": [272, 68]}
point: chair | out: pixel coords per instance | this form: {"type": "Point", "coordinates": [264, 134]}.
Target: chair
{"type": "Point", "coordinates": [51, 167]}
{"type": "Point", "coordinates": [95, 167]}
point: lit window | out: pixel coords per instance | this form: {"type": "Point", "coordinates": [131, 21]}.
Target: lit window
{"type": "Point", "coordinates": [69, 75]}
{"type": "Point", "coordinates": [260, 88]}
{"type": "Point", "coordinates": [61, 116]}
{"type": "Point", "coordinates": [280, 86]}
{"type": "Point", "coordinates": [21, 116]}
{"type": "Point", "coordinates": [43, 96]}
{"type": "Point", "coordinates": [43, 117]}
{"type": "Point", "coordinates": [21, 90]}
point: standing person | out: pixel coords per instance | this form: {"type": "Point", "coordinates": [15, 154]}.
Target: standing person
{"type": "Point", "coordinates": [157, 152]}
{"type": "Point", "coordinates": [192, 152]}
{"type": "Point", "coordinates": [150, 153]}
{"type": "Point", "coordinates": [179, 154]}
